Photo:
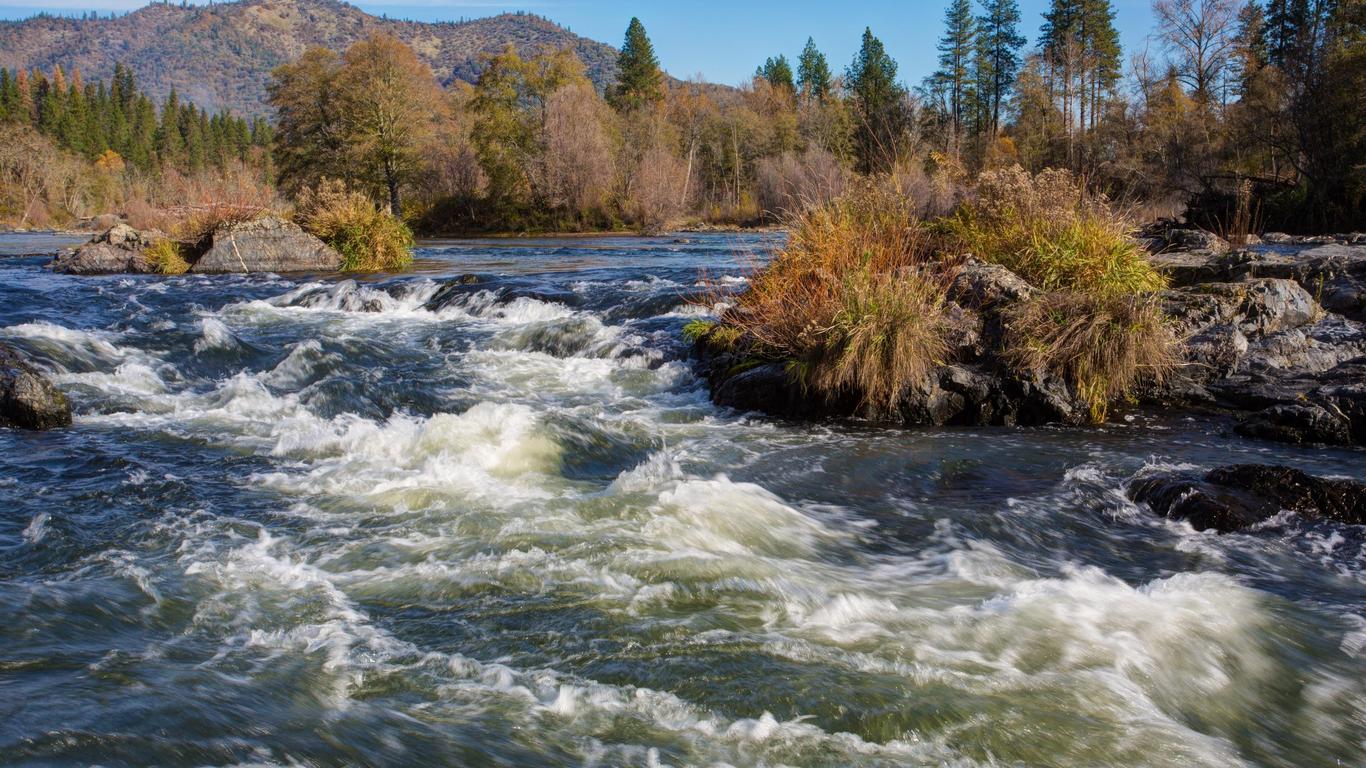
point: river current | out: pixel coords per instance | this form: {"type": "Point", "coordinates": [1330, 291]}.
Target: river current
{"type": "Point", "coordinates": [431, 519]}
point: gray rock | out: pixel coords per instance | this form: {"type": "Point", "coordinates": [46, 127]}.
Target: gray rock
{"type": "Point", "coordinates": [1193, 239]}
{"type": "Point", "coordinates": [28, 400]}
{"type": "Point", "coordinates": [267, 244]}
{"type": "Point", "coordinates": [982, 286]}
{"type": "Point", "coordinates": [1334, 274]}
{"type": "Point", "coordinates": [118, 250]}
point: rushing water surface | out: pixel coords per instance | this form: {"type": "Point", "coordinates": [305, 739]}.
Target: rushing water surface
{"type": "Point", "coordinates": [416, 521]}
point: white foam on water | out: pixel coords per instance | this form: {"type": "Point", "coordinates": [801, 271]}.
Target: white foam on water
{"type": "Point", "coordinates": [214, 334]}
{"type": "Point", "coordinates": [85, 348]}
{"type": "Point", "coordinates": [36, 529]}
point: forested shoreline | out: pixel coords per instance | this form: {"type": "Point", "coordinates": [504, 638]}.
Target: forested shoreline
{"type": "Point", "coordinates": [1243, 115]}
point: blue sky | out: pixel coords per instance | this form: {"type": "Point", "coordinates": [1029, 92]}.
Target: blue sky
{"type": "Point", "coordinates": [723, 40]}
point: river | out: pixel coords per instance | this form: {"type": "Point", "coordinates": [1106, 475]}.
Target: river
{"type": "Point", "coordinates": [435, 520]}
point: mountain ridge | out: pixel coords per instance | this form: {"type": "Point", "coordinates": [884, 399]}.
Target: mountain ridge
{"type": "Point", "coordinates": [220, 56]}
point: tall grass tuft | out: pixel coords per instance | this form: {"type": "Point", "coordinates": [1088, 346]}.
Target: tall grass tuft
{"type": "Point", "coordinates": [368, 238]}
{"type": "Point", "coordinates": [167, 258]}
{"type": "Point", "coordinates": [1102, 345]}
{"type": "Point", "coordinates": [1053, 232]}
{"type": "Point", "coordinates": [853, 300]}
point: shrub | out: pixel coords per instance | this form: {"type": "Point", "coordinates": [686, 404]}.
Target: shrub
{"type": "Point", "coordinates": [167, 258]}
{"type": "Point", "coordinates": [368, 238]}
{"type": "Point", "coordinates": [1054, 233]}
{"type": "Point", "coordinates": [853, 300]}
{"type": "Point", "coordinates": [1101, 345]}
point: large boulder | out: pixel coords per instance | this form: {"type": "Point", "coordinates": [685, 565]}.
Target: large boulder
{"type": "Point", "coordinates": [266, 244]}
{"type": "Point", "coordinates": [28, 400]}
{"type": "Point", "coordinates": [1238, 497]}
{"type": "Point", "coordinates": [118, 250]}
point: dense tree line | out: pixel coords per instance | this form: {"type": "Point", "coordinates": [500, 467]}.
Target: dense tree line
{"type": "Point", "coordinates": [1233, 103]}
{"type": "Point", "coordinates": [70, 148]}
{"type": "Point", "coordinates": [1234, 100]}
{"type": "Point", "coordinates": [93, 118]}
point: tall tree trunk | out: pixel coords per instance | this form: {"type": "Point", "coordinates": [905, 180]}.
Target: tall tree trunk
{"type": "Point", "coordinates": [391, 178]}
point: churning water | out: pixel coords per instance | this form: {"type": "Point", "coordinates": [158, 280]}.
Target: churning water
{"type": "Point", "coordinates": [423, 521]}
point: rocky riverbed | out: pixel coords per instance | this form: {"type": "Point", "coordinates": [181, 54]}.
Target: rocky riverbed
{"type": "Point", "coordinates": [1274, 334]}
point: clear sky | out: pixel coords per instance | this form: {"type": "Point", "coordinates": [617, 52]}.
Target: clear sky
{"type": "Point", "coordinates": [723, 40]}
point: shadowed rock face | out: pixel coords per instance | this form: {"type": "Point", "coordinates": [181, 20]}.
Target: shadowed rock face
{"type": "Point", "coordinates": [265, 245]}
{"type": "Point", "coordinates": [1237, 497]}
{"type": "Point", "coordinates": [27, 399]}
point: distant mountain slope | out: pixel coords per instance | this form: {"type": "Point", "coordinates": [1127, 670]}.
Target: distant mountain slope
{"type": "Point", "coordinates": [222, 55]}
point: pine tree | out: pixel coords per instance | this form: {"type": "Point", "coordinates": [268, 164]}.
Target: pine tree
{"type": "Point", "coordinates": [640, 82]}
{"type": "Point", "coordinates": [999, 44]}
{"type": "Point", "coordinates": [778, 72]}
{"type": "Point", "coordinates": [877, 102]}
{"type": "Point", "coordinates": [955, 60]}
{"type": "Point", "coordinates": [1101, 56]}
{"type": "Point", "coordinates": [170, 145]}
{"type": "Point", "coordinates": [813, 72]}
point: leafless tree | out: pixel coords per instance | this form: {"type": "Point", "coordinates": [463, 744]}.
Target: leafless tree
{"type": "Point", "coordinates": [1200, 35]}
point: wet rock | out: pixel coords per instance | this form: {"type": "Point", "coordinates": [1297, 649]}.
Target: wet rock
{"type": "Point", "coordinates": [118, 250]}
{"type": "Point", "coordinates": [28, 400]}
{"type": "Point", "coordinates": [978, 395]}
{"type": "Point", "coordinates": [768, 388]}
{"type": "Point", "coordinates": [1298, 424]}
{"type": "Point", "coordinates": [267, 244]}
{"type": "Point", "coordinates": [1237, 497]}
{"type": "Point", "coordinates": [1327, 408]}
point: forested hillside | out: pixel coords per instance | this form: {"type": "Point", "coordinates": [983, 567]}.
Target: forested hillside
{"type": "Point", "coordinates": [221, 56]}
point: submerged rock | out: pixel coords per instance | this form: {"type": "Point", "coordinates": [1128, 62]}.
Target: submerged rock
{"type": "Point", "coordinates": [118, 250]}
{"type": "Point", "coordinates": [1238, 497]}
{"type": "Point", "coordinates": [28, 400]}
{"type": "Point", "coordinates": [266, 244]}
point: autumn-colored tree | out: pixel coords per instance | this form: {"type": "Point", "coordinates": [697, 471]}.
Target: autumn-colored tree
{"type": "Point", "coordinates": [390, 107]}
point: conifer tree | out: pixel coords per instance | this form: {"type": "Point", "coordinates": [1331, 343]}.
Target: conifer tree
{"type": "Point", "coordinates": [956, 47]}
{"type": "Point", "coordinates": [778, 72]}
{"type": "Point", "coordinates": [878, 105]}
{"type": "Point", "coordinates": [640, 82]}
{"type": "Point", "coordinates": [813, 72]}
{"type": "Point", "coordinates": [998, 61]}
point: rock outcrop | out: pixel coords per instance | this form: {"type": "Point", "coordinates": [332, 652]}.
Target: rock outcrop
{"type": "Point", "coordinates": [1274, 334]}
{"type": "Point", "coordinates": [1238, 497]}
{"type": "Point", "coordinates": [976, 390]}
{"type": "Point", "coordinates": [119, 250]}
{"type": "Point", "coordinates": [1334, 274]}
{"type": "Point", "coordinates": [28, 400]}
{"type": "Point", "coordinates": [267, 244]}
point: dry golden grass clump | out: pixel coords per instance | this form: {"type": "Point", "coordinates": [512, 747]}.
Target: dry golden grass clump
{"type": "Point", "coordinates": [857, 302]}
{"type": "Point", "coordinates": [1053, 232]}
{"type": "Point", "coordinates": [368, 238]}
{"type": "Point", "coordinates": [1103, 345]}
{"type": "Point", "coordinates": [167, 258]}
{"type": "Point", "coordinates": [853, 300]}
